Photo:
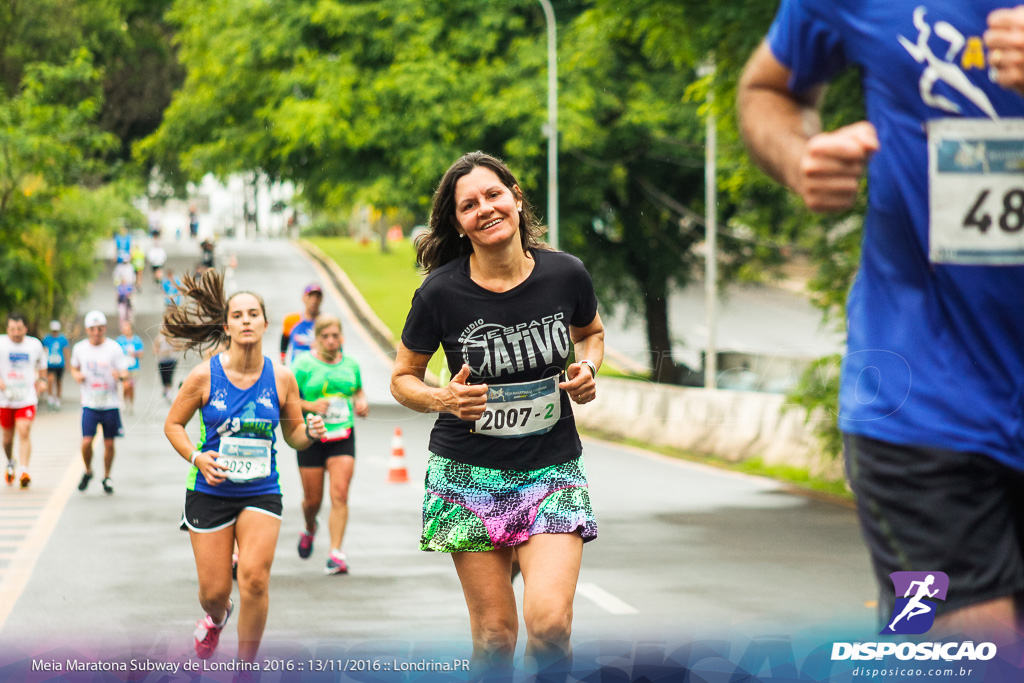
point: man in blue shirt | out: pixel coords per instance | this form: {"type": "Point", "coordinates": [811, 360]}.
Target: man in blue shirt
{"type": "Point", "coordinates": [170, 286]}
{"type": "Point", "coordinates": [123, 245]}
{"type": "Point", "coordinates": [56, 345]}
{"type": "Point", "coordinates": [932, 390]}
{"type": "Point", "coordinates": [297, 328]}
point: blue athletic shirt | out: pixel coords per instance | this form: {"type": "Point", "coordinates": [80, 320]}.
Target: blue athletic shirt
{"type": "Point", "coordinates": [171, 295]}
{"type": "Point", "coordinates": [300, 339]}
{"type": "Point", "coordinates": [257, 410]}
{"type": "Point", "coordinates": [55, 350]}
{"type": "Point", "coordinates": [123, 246]}
{"type": "Point", "coordinates": [130, 344]}
{"type": "Point", "coordinates": [935, 352]}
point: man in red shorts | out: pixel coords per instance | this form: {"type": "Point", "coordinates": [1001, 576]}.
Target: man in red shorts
{"type": "Point", "coordinates": [22, 372]}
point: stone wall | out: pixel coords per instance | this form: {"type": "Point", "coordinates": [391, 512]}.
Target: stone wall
{"type": "Point", "coordinates": [735, 425]}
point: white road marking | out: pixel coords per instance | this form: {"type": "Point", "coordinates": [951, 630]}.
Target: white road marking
{"type": "Point", "coordinates": [28, 551]}
{"type": "Point", "coordinates": [604, 599]}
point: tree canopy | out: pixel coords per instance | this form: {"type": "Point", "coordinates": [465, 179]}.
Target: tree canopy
{"type": "Point", "coordinates": [370, 101]}
{"type": "Point", "coordinates": [67, 114]}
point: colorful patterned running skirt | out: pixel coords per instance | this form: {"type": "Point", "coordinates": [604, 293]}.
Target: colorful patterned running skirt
{"type": "Point", "coordinates": [468, 508]}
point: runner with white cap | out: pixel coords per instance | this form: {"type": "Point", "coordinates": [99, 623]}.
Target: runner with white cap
{"type": "Point", "coordinates": [97, 363]}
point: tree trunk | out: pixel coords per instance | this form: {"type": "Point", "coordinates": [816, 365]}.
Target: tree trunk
{"type": "Point", "coordinates": [659, 337]}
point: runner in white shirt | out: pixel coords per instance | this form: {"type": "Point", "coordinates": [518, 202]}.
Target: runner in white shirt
{"type": "Point", "coordinates": [22, 370]}
{"type": "Point", "coordinates": [97, 363]}
{"type": "Point", "coordinates": [157, 257]}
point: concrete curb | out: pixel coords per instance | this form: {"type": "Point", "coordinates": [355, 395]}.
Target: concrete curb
{"type": "Point", "coordinates": [360, 307]}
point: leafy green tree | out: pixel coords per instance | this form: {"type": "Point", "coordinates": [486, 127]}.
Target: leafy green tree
{"type": "Point", "coordinates": [130, 44]}
{"type": "Point", "coordinates": [49, 223]}
{"type": "Point", "coordinates": [356, 101]}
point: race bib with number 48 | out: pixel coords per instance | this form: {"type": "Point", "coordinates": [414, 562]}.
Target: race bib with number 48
{"type": "Point", "coordinates": [976, 191]}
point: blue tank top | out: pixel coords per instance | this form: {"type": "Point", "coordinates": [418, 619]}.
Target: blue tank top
{"type": "Point", "coordinates": [251, 413]}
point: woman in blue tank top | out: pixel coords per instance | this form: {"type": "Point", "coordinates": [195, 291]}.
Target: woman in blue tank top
{"type": "Point", "coordinates": [233, 494]}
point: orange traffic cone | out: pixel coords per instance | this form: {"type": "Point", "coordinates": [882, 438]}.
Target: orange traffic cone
{"type": "Point", "coordinates": [397, 474]}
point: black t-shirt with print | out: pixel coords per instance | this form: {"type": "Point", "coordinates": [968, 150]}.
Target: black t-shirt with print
{"type": "Point", "coordinates": [510, 337]}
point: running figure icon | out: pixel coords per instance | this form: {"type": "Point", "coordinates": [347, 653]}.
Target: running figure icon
{"type": "Point", "coordinates": [915, 607]}
{"type": "Point", "coordinates": [943, 71]}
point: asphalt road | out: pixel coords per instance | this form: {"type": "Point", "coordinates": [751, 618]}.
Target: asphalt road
{"type": "Point", "coordinates": [684, 551]}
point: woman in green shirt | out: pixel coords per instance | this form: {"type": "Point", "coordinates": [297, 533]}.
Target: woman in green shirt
{"type": "Point", "coordinates": [331, 386]}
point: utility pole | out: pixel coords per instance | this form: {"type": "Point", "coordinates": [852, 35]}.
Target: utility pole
{"type": "Point", "coordinates": [710, 234]}
{"type": "Point", "coordinates": [552, 125]}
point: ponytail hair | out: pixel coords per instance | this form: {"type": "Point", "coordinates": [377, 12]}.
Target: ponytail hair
{"type": "Point", "coordinates": [198, 323]}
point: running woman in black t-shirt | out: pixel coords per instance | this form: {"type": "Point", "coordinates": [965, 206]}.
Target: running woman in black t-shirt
{"type": "Point", "coordinates": [506, 473]}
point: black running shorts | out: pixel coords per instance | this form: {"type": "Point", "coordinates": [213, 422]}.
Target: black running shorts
{"type": "Point", "coordinates": [317, 454]}
{"type": "Point", "coordinates": [204, 513]}
{"type": "Point", "coordinates": [932, 509]}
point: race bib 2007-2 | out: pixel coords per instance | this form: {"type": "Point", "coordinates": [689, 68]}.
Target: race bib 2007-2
{"type": "Point", "coordinates": [523, 409]}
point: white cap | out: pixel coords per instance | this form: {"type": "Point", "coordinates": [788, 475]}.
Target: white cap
{"type": "Point", "coordinates": [55, 325]}
{"type": "Point", "coordinates": [95, 319]}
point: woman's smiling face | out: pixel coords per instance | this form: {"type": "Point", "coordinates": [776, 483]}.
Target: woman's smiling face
{"type": "Point", "coordinates": [486, 211]}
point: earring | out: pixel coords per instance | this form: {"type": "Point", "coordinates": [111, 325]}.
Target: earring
{"type": "Point", "coordinates": [461, 235]}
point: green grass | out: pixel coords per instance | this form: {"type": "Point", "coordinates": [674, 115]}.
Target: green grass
{"type": "Point", "coordinates": [798, 477]}
{"type": "Point", "coordinates": [610, 369]}
{"type": "Point", "coordinates": [387, 281]}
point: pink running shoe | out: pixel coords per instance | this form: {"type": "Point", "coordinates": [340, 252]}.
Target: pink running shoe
{"type": "Point", "coordinates": [306, 541]}
{"type": "Point", "coordinates": [208, 634]}
{"type": "Point", "coordinates": [336, 564]}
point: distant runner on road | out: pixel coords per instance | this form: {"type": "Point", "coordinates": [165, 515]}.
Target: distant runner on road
{"type": "Point", "coordinates": [98, 363]}
{"type": "Point", "coordinates": [123, 246]}
{"type": "Point", "coordinates": [22, 373]}
{"type": "Point", "coordinates": [331, 387]}
{"type": "Point", "coordinates": [56, 351]}
{"type": "Point", "coordinates": [167, 361]}
{"type": "Point", "coordinates": [233, 493]}
{"type": "Point", "coordinates": [297, 334]}
{"type": "Point", "coordinates": [134, 349]}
